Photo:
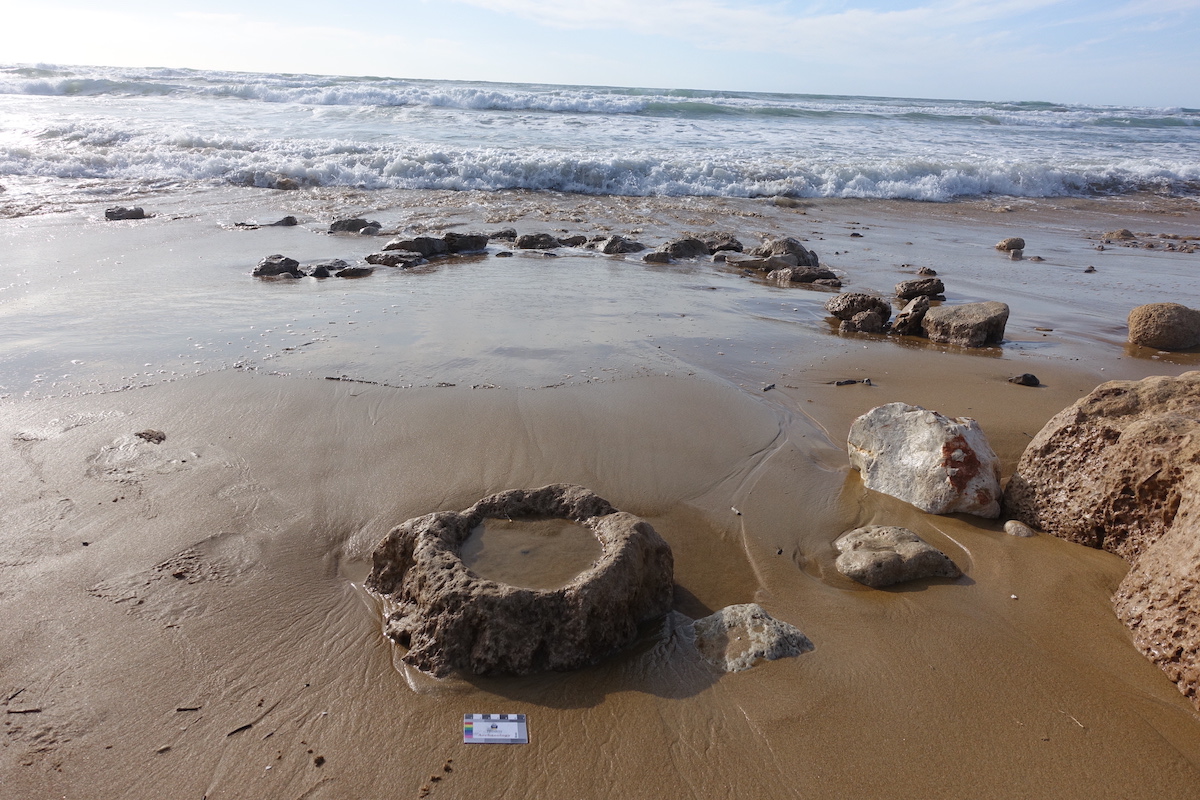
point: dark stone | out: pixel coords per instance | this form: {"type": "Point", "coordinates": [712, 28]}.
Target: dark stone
{"type": "Point", "coordinates": [152, 436]}
{"type": "Point", "coordinates": [573, 241]}
{"type": "Point", "coordinates": [405, 259]}
{"type": "Point", "coordinates": [350, 225]}
{"type": "Point", "coordinates": [718, 242]}
{"type": "Point", "coordinates": [657, 257]}
{"type": "Point", "coordinates": [508, 234]}
{"type": "Point", "coordinates": [323, 269]}
{"type": "Point", "coordinates": [1025, 379]}
{"type": "Point", "coordinates": [537, 241]}
{"type": "Point", "coordinates": [908, 321]}
{"type": "Point", "coordinates": [427, 246]}
{"type": "Point", "coordinates": [790, 275]}
{"type": "Point", "coordinates": [686, 247]}
{"type": "Point", "coordinates": [504, 254]}
{"type": "Point", "coordinates": [616, 245]}
{"type": "Point", "coordinates": [277, 265]}
{"type": "Point", "coordinates": [354, 272]}
{"type": "Point", "coordinates": [466, 242]}
{"type": "Point", "coordinates": [121, 212]}
{"type": "Point", "coordinates": [286, 222]}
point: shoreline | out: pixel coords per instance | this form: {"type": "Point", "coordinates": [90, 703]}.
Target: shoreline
{"type": "Point", "coordinates": [214, 623]}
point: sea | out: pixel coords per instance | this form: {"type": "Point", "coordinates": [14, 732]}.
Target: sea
{"type": "Point", "coordinates": [167, 126]}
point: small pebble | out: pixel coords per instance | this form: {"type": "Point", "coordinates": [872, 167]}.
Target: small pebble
{"type": "Point", "coordinates": [1090, 269]}
{"type": "Point", "coordinates": [1025, 379]}
{"type": "Point", "coordinates": [1015, 527]}
{"type": "Point", "coordinates": [1012, 597]}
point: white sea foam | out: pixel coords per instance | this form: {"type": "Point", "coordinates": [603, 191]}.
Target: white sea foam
{"type": "Point", "coordinates": [181, 125]}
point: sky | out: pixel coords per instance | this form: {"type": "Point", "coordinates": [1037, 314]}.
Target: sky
{"type": "Point", "coordinates": [1118, 52]}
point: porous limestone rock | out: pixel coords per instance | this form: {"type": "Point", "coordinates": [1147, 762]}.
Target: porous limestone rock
{"type": "Point", "coordinates": [787, 246]}
{"type": "Point", "coordinates": [427, 246]}
{"type": "Point", "coordinates": [405, 259]}
{"type": "Point", "coordinates": [738, 637]}
{"type": "Point", "coordinates": [449, 618]}
{"type": "Point", "coordinates": [1010, 244]}
{"type": "Point", "coordinates": [616, 245]}
{"type": "Point", "coordinates": [760, 263]}
{"type": "Point", "coordinates": [657, 257]}
{"type": "Point", "coordinates": [1165, 326]}
{"type": "Point", "coordinates": [324, 269]}
{"type": "Point", "coordinates": [685, 247]}
{"type": "Point", "coordinates": [939, 464]}
{"type": "Point", "coordinates": [863, 322]}
{"type": "Point", "coordinates": [967, 325]}
{"type": "Point", "coordinates": [922, 287]}
{"type": "Point", "coordinates": [787, 276]}
{"type": "Point", "coordinates": [1120, 470]}
{"type": "Point", "coordinates": [537, 241]}
{"type": "Point", "coordinates": [718, 242]}
{"type": "Point", "coordinates": [883, 555]}
{"type": "Point", "coordinates": [845, 306]}
{"type": "Point", "coordinates": [908, 321]}
{"type": "Point", "coordinates": [465, 242]}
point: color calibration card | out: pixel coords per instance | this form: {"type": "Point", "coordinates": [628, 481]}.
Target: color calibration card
{"type": "Point", "coordinates": [495, 729]}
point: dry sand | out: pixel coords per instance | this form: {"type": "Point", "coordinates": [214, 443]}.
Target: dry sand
{"type": "Point", "coordinates": [186, 619]}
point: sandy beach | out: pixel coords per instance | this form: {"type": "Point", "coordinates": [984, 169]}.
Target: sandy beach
{"type": "Point", "coordinates": [187, 619]}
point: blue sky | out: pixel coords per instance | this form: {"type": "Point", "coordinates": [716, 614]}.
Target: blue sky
{"type": "Point", "coordinates": [1125, 52]}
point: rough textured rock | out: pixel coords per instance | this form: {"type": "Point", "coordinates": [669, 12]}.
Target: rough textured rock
{"type": "Point", "coordinates": [738, 637]}
{"type": "Point", "coordinates": [968, 325]}
{"type": "Point", "coordinates": [1010, 244]}
{"type": "Point", "coordinates": [324, 269]}
{"type": "Point", "coordinates": [616, 245]}
{"type": "Point", "coordinates": [1025, 379]}
{"type": "Point", "coordinates": [1123, 234]}
{"type": "Point", "coordinates": [351, 225]}
{"type": "Point", "coordinates": [465, 242]}
{"type": "Point", "coordinates": [908, 321]}
{"type": "Point", "coordinates": [761, 263]}
{"type": "Point", "coordinates": [353, 272]}
{"type": "Point", "coordinates": [578, 240]}
{"type": "Point", "coordinates": [121, 212]}
{"type": "Point", "coordinates": [790, 275]}
{"type": "Point", "coordinates": [863, 322]}
{"type": "Point", "coordinates": [507, 234]}
{"type": "Point", "coordinates": [718, 242]}
{"type": "Point", "coordinates": [1165, 326]}
{"type": "Point", "coordinates": [657, 257]}
{"type": "Point", "coordinates": [405, 259]}
{"type": "Point", "coordinates": [450, 619]}
{"type": "Point", "coordinates": [537, 241]}
{"type": "Point", "coordinates": [276, 265]}
{"type": "Point", "coordinates": [1120, 469]}
{"type": "Point", "coordinates": [922, 287]}
{"type": "Point", "coordinates": [883, 555]}
{"type": "Point", "coordinates": [285, 222]}
{"type": "Point", "coordinates": [685, 247]}
{"type": "Point", "coordinates": [787, 246]}
{"type": "Point", "coordinates": [427, 246]}
{"type": "Point", "coordinates": [845, 306]}
{"type": "Point", "coordinates": [939, 464]}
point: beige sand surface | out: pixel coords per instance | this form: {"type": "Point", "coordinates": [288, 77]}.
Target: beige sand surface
{"type": "Point", "coordinates": [186, 619]}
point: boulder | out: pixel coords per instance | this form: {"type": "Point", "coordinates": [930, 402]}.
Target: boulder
{"type": "Point", "coordinates": [427, 246]}
{"type": "Point", "coordinates": [450, 619]}
{"type": "Point", "coordinates": [324, 269]}
{"type": "Point", "coordinates": [353, 272]}
{"type": "Point", "coordinates": [738, 637]}
{"type": "Point", "coordinates": [1164, 326]}
{"type": "Point", "coordinates": [718, 242]}
{"type": "Point", "coordinates": [657, 257]}
{"type": "Point", "coordinates": [1123, 234]}
{"type": "Point", "coordinates": [370, 230]}
{"type": "Point", "coordinates": [405, 259]}
{"type": "Point", "coordinates": [939, 464]}
{"type": "Point", "coordinates": [845, 306]}
{"type": "Point", "coordinates": [1010, 244]}
{"type": "Point", "coordinates": [1025, 379]}
{"type": "Point", "coordinates": [908, 321]}
{"type": "Point", "coordinates": [276, 265]}
{"type": "Point", "coordinates": [465, 242]}
{"type": "Point", "coordinates": [922, 287]}
{"type": "Point", "coordinates": [789, 275]}
{"type": "Point", "coordinates": [616, 245]}
{"type": "Point", "coordinates": [578, 240]}
{"type": "Point", "coordinates": [967, 325]}
{"type": "Point", "coordinates": [761, 263]}
{"type": "Point", "coordinates": [537, 241]}
{"type": "Point", "coordinates": [285, 222]}
{"type": "Point", "coordinates": [353, 225]}
{"type": "Point", "coordinates": [883, 555]}
{"type": "Point", "coordinates": [508, 234]}
{"type": "Point", "coordinates": [863, 322]}
{"type": "Point", "coordinates": [787, 246]}
{"type": "Point", "coordinates": [121, 212]}
{"type": "Point", "coordinates": [685, 247]}
{"type": "Point", "coordinates": [1120, 470]}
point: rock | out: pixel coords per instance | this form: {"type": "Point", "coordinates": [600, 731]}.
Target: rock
{"type": "Point", "coordinates": [939, 464]}
{"type": "Point", "coordinates": [286, 222]}
{"type": "Point", "coordinates": [720, 242]}
{"type": "Point", "coordinates": [790, 275]}
{"type": "Point", "coordinates": [1120, 470]}
{"type": "Point", "coordinates": [1010, 244]}
{"type": "Point", "coordinates": [787, 246]}
{"type": "Point", "coordinates": [537, 241]}
{"type": "Point", "coordinates": [508, 234]}
{"type": "Point", "coordinates": [883, 555]}
{"type": "Point", "coordinates": [427, 246]}
{"type": "Point", "coordinates": [405, 259]}
{"type": "Point", "coordinates": [686, 247]}
{"type": "Point", "coordinates": [908, 321]}
{"type": "Point", "coordinates": [922, 287]}
{"type": "Point", "coordinates": [353, 272]}
{"type": "Point", "coordinates": [152, 436]}
{"type": "Point", "coordinates": [450, 619]}
{"type": "Point", "coordinates": [615, 245]}
{"type": "Point", "coordinates": [1015, 255]}
{"type": "Point", "coordinates": [1014, 527]}
{"type": "Point", "coordinates": [761, 263]}
{"type": "Point", "coordinates": [324, 269]}
{"type": "Point", "coordinates": [927, 272]}
{"type": "Point", "coordinates": [738, 637]}
{"type": "Point", "coordinates": [863, 322]}
{"type": "Point", "coordinates": [1164, 326]}
{"type": "Point", "coordinates": [351, 225]}
{"type": "Point", "coordinates": [657, 257]}
{"type": "Point", "coordinates": [967, 325]}
{"type": "Point", "coordinates": [465, 242]}
{"type": "Point", "coordinates": [573, 241]}
{"type": "Point", "coordinates": [1124, 234]}
{"type": "Point", "coordinates": [121, 212]}
{"type": "Point", "coordinates": [504, 254]}
{"type": "Point", "coordinates": [276, 265]}
{"type": "Point", "coordinates": [1025, 379]}
{"type": "Point", "coordinates": [845, 306]}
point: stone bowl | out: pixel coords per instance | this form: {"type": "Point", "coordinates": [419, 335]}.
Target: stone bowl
{"type": "Point", "coordinates": [451, 619]}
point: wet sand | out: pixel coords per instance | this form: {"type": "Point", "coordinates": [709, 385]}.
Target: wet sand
{"type": "Point", "coordinates": [190, 614]}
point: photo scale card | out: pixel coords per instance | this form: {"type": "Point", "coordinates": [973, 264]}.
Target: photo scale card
{"type": "Point", "coordinates": [495, 729]}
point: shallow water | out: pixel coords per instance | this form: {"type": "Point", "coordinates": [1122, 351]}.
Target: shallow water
{"type": "Point", "coordinates": [532, 554]}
